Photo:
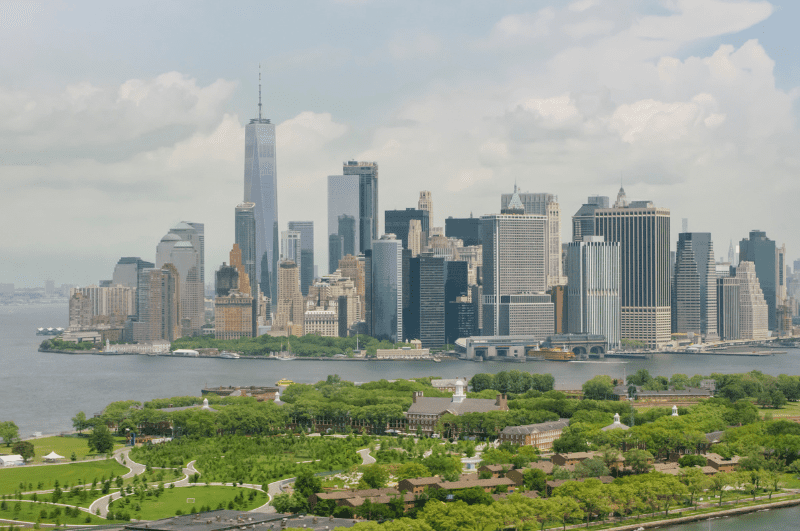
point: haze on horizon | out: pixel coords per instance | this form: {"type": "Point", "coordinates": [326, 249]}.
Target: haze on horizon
{"type": "Point", "coordinates": [117, 121]}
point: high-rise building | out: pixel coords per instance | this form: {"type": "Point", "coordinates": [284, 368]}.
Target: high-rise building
{"type": "Point", "coordinates": [728, 308]}
{"type": "Point", "coordinates": [159, 295]}
{"type": "Point", "coordinates": [694, 298]}
{"type": "Point", "coordinates": [126, 273]}
{"type": "Point", "coordinates": [245, 238]}
{"type": "Point", "coordinates": [289, 316]}
{"type": "Point", "coordinates": [424, 318]}
{"type": "Point", "coordinates": [261, 188]}
{"type": "Point", "coordinates": [233, 311]}
{"type": "Point", "coordinates": [80, 311]}
{"type": "Point", "coordinates": [515, 273]}
{"type": "Point", "coordinates": [108, 306]}
{"type": "Point", "coordinates": [764, 254]}
{"type": "Point", "coordinates": [643, 232]}
{"type": "Point", "coordinates": [460, 318]}
{"type": "Point", "coordinates": [384, 287]}
{"type": "Point", "coordinates": [306, 230]}
{"type": "Point", "coordinates": [544, 205]}
{"type": "Point", "coordinates": [468, 230]}
{"type": "Point", "coordinates": [367, 173]}
{"type": "Point", "coordinates": [415, 237]}
{"type": "Point", "coordinates": [180, 247]}
{"type": "Point", "coordinates": [753, 308]}
{"type": "Point", "coordinates": [426, 203]}
{"type": "Point", "coordinates": [343, 215]}
{"type": "Point", "coordinates": [593, 291]}
{"type": "Point", "coordinates": [583, 220]}
{"type": "Point", "coordinates": [291, 246]}
{"type": "Point", "coordinates": [397, 222]}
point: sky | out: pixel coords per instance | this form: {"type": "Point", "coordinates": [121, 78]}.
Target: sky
{"type": "Point", "coordinates": [118, 120]}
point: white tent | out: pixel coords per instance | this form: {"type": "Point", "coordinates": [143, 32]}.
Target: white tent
{"type": "Point", "coordinates": [11, 460]}
{"type": "Point", "coordinates": [52, 456]}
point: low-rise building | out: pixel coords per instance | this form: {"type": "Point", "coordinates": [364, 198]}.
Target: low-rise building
{"type": "Point", "coordinates": [323, 323]}
{"type": "Point", "coordinates": [487, 485]}
{"type": "Point", "coordinates": [448, 384]}
{"type": "Point", "coordinates": [540, 436]}
{"type": "Point", "coordinates": [425, 412]}
{"type": "Point", "coordinates": [721, 464]}
{"type": "Point", "coordinates": [572, 458]}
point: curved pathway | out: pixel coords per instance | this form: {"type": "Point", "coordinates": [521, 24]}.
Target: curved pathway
{"type": "Point", "coordinates": [366, 459]}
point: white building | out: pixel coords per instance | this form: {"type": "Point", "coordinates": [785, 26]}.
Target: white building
{"type": "Point", "coordinates": [593, 303]}
{"type": "Point", "coordinates": [323, 323]}
{"type": "Point", "coordinates": [753, 309]}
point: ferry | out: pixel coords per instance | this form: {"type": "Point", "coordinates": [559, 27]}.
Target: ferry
{"type": "Point", "coordinates": [284, 382]}
{"type": "Point", "coordinates": [551, 354]}
{"type": "Point", "coordinates": [229, 355]}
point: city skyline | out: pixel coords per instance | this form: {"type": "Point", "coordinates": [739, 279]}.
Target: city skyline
{"type": "Point", "coordinates": [708, 108]}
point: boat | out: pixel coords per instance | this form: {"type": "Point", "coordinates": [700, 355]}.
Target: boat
{"type": "Point", "coordinates": [229, 355]}
{"type": "Point", "coordinates": [551, 354]}
{"type": "Point", "coordinates": [284, 382]}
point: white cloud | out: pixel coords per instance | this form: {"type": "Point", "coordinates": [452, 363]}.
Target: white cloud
{"type": "Point", "coordinates": [519, 29]}
{"type": "Point", "coordinates": [582, 5]}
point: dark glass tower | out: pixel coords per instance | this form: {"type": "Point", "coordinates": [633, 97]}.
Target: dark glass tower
{"type": "Point", "coordinates": [396, 222]}
{"type": "Point", "coordinates": [261, 188]}
{"type": "Point", "coordinates": [306, 230]}
{"type": "Point", "coordinates": [367, 200]}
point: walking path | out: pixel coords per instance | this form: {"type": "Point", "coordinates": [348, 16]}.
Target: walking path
{"type": "Point", "coordinates": [366, 459]}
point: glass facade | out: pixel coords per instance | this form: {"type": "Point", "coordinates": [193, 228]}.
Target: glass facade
{"type": "Point", "coordinates": [386, 287]}
{"type": "Point", "coordinates": [343, 213]}
{"type": "Point", "coordinates": [306, 230]}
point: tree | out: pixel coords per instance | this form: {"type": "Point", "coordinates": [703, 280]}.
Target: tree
{"type": "Point", "coordinates": [9, 432]}
{"type": "Point", "coordinates": [307, 483]}
{"type": "Point", "coordinates": [534, 479]}
{"type": "Point", "coordinates": [591, 468]}
{"type": "Point", "coordinates": [639, 460]}
{"type": "Point", "coordinates": [375, 477]}
{"type": "Point", "coordinates": [599, 388]}
{"type": "Point", "coordinates": [101, 441]}
{"type": "Point", "coordinates": [412, 470]}
{"type": "Point", "coordinates": [25, 449]}
{"type": "Point", "coordinates": [79, 422]}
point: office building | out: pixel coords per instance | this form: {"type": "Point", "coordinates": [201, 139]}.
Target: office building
{"type": "Point", "coordinates": [694, 297]}
{"type": "Point", "coordinates": [245, 238]}
{"type": "Point", "coordinates": [593, 291]}
{"type": "Point", "coordinates": [306, 230]}
{"type": "Point", "coordinates": [290, 310]}
{"type": "Point", "coordinates": [515, 274]}
{"type": "Point", "coordinates": [261, 188]}
{"type": "Point", "coordinates": [544, 205]}
{"type": "Point", "coordinates": [290, 250]}
{"type": "Point", "coordinates": [583, 220]}
{"type": "Point", "coordinates": [80, 311]}
{"type": "Point", "coordinates": [159, 294]}
{"type": "Point", "coordinates": [367, 173]}
{"type": "Point", "coordinates": [763, 253]}
{"type": "Point", "coordinates": [180, 247]}
{"type": "Point", "coordinates": [108, 306]}
{"type": "Point", "coordinates": [460, 318]}
{"type": "Point", "coordinates": [343, 216]}
{"type": "Point", "coordinates": [753, 308]}
{"type": "Point", "coordinates": [424, 318]}
{"type": "Point", "coordinates": [468, 230]}
{"type": "Point", "coordinates": [728, 308]}
{"type": "Point", "coordinates": [415, 237]}
{"type": "Point", "coordinates": [324, 323]}
{"type": "Point", "coordinates": [558, 296]}
{"type": "Point", "coordinates": [643, 232]}
{"type": "Point", "coordinates": [426, 203]}
{"type": "Point", "coordinates": [384, 286]}
{"type": "Point", "coordinates": [233, 305]}
{"type": "Point", "coordinates": [397, 222]}
{"type": "Point", "coordinates": [126, 273]}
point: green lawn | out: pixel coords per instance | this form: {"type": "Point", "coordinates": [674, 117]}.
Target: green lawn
{"type": "Point", "coordinates": [65, 446]}
{"type": "Point", "coordinates": [32, 512]}
{"type": "Point", "coordinates": [184, 499]}
{"type": "Point", "coordinates": [791, 409]}
{"type": "Point", "coordinates": [68, 474]}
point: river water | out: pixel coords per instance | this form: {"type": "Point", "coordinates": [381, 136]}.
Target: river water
{"type": "Point", "coordinates": [42, 391]}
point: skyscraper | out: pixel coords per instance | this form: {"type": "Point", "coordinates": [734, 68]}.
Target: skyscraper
{"type": "Point", "coordinates": [290, 249]}
{"type": "Point", "coordinates": [385, 288]}
{"type": "Point", "coordinates": [753, 309]}
{"type": "Point", "coordinates": [426, 203]}
{"type": "Point", "coordinates": [245, 238]}
{"type": "Point", "coordinates": [583, 220]}
{"type": "Point", "coordinates": [290, 313]}
{"type": "Point", "coordinates": [343, 216]}
{"type": "Point", "coordinates": [159, 292]}
{"type": "Point", "coordinates": [233, 307]}
{"type": "Point", "coordinates": [515, 273]}
{"type": "Point", "coordinates": [181, 248]}
{"type": "Point", "coordinates": [544, 205]}
{"type": "Point", "coordinates": [426, 311]}
{"type": "Point", "coordinates": [261, 188]}
{"type": "Point", "coordinates": [643, 233]}
{"type": "Point", "coordinates": [126, 273]}
{"type": "Point", "coordinates": [467, 230]}
{"type": "Point", "coordinates": [367, 173]}
{"type": "Point", "coordinates": [763, 253]}
{"type": "Point", "coordinates": [397, 222]}
{"type": "Point", "coordinates": [593, 301]}
{"type": "Point", "coordinates": [694, 300]}
{"type": "Point", "coordinates": [306, 230]}
{"type": "Point", "coordinates": [728, 308]}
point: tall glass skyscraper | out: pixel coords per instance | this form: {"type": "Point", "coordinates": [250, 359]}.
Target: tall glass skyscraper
{"type": "Point", "coordinates": [343, 213]}
{"type": "Point", "coordinates": [368, 200]}
{"type": "Point", "coordinates": [306, 230]}
{"type": "Point", "coordinates": [261, 188]}
{"type": "Point", "coordinates": [385, 290]}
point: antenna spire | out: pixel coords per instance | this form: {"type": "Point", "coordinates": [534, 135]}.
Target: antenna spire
{"type": "Point", "coordinates": [259, 92]}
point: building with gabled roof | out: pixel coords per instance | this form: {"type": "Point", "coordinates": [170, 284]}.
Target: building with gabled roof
{"type": "Point", "coordinates": [425, 412]}
{"type": "Point", "coordinates": [540, 436]}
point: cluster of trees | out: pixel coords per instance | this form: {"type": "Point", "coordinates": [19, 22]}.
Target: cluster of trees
{"type": "Point", "coordinates": [9, 432]}
{"type": "Point", "coordinates": [308, 345]}
{"type": "Point", "coordinates": [258, 459]}
{"type": "Point", "coordinates": [57, 343]}
{"type": "Point", "coordinates": [512, 382]}
{"type": "Point", "coordinates": [767, 390]}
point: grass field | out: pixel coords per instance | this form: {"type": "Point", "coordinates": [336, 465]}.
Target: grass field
{"type": "Point", "coordinates": [44, 477]}
{"type": "Point", "coordinates": [65, 446]}
{"type": "Point", "coordinates": [185, 498]}
{"type": "Point", "coordinates": [791, 409]}
{"type": "Point", "coordinates": [33, 512]}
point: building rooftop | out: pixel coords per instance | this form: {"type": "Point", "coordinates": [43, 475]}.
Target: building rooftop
{"type": "Point", "coordinates": [536, 428]}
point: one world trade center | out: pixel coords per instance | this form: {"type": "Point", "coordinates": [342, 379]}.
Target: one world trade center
{"type": "Point", "coordinates": [261, 188]}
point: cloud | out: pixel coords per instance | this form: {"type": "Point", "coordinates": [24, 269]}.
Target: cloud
{"type": "Point", "coordinates": [519, 29]}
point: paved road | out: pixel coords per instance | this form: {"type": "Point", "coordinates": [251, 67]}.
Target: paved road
{"type": "Point", "coordinates": [366, 459]}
